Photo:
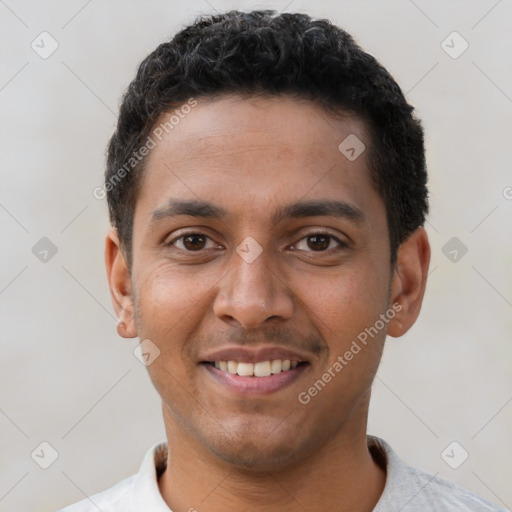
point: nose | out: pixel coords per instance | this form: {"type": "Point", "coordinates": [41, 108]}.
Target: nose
{"type": "Point", "coordinates": [252, 294]}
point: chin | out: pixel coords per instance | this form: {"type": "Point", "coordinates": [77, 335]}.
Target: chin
{"type": "Point", "coordinates": [257, 449]}
{"type": "Point", "coordinates": [252, 458]}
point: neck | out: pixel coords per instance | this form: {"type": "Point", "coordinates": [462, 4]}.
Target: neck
{"type": "Point", "coordinates": [340, 475]}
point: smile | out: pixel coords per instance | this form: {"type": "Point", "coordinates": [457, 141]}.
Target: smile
{"type": "Point", "coordinates": [261, 378]}
{"type": "Point", "coordinates": [260, 369]}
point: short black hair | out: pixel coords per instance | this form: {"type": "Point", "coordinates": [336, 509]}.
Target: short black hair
{"type": "Point", "coordinates": [262, 52]}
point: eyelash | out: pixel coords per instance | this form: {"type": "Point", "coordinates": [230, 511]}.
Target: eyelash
{"type": "Point", "coordinates": [184, 235]}
{"type": "Point", "coordinates": [340, 243]}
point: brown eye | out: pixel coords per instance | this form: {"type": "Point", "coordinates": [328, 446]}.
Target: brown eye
{"type": "Point", "coordinates": [193, 245]}
{"type": "Point", "coordinates": [194, 242]}
{"type": "Point", "coordinates": [318, 242]}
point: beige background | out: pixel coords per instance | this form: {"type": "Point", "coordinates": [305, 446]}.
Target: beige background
{"type": "Point", "coordinates": [67, 379]}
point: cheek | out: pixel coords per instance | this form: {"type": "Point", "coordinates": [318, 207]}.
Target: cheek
{"type": "Point", "coordinates": [345, 313]}
{"type": "Point", "coordinates": [168, 297]}
{"type": "Point", "coordinates": [170, 305]}
{"type": "Point", "coordinates": [345, 308]}
{"type": "Point", "coordinates": [346, 301]}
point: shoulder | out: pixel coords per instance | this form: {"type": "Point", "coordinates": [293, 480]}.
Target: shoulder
{"type": "Point", "coordinates": [410, 489]}
{"type": "Point", "coordinates": [114, 499]}
{"type": "Point", "coordinates": [137, 492]}
{"type": "Point", "coordinates": [435, 493]}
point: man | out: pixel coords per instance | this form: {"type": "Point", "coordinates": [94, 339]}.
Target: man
{"type": "Point", "coordinates": [267, 190]}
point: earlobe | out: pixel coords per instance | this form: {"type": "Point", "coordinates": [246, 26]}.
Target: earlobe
{"type": "Point", "coordinates": [409, 281]}
{"type": "Point", "coordinates": [120, 285]}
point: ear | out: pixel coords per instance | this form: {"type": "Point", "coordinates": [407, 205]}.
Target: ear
{"type": "Point", "coordinates": [120, 285]}
{"type": "Point", "coordinates": [409, 281]}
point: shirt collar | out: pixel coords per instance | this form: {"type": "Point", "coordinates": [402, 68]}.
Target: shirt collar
{"type": "Point", "coordinates": [145, 492]}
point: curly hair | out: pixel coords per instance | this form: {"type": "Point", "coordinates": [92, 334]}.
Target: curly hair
{"type": "Point", "coordinates": [261, 52]}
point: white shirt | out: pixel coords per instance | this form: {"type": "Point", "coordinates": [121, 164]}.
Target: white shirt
{"type": "Point", "coordinates": [406, 489]}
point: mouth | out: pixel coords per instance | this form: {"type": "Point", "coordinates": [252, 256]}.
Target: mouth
{"type": "Point", "coordinates": [251, 374]}
{"type": "Point", "coordinates": [259, 369]}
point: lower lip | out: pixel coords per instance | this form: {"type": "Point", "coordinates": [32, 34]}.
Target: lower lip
{"type": "Point", "coordinates": [256, 385]}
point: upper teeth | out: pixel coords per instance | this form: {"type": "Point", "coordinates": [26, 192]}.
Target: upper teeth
{"type": "Point", "coordinates": [261, 369]}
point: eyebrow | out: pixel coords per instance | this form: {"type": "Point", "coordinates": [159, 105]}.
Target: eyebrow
{"type": "Point", "coordinates": [192, 207]}
{"type": "Point", "coordinates": [300, 209]}
{"type": "Point", "coordinates": [329, 208]}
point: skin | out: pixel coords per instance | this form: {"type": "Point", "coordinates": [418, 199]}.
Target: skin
{"type": "Point", "coordinates": [251, 157]}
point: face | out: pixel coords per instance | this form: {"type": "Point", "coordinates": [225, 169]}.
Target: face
{"type": "Point", "coordinates": [259, 246]}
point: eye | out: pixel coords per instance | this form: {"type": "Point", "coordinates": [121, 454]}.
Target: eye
{"type": "Point", "coordinates": [193, 242]}
{"type": "Point", "coordinates": [318, 242]}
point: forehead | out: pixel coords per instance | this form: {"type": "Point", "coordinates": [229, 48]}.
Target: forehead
{"type": "Point", "coordinates": [251, 152]}
{"type": "Point", "coordinates": [277, 124]}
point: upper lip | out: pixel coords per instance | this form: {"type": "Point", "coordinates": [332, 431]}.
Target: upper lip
{"type": "Point", "coordinates": [252, 355]}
